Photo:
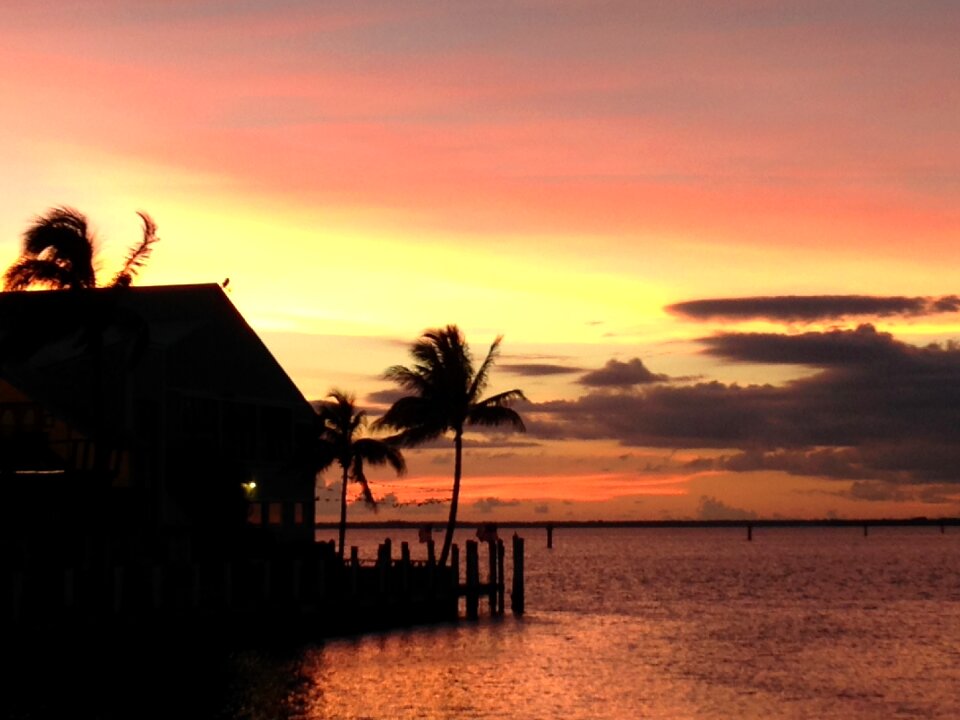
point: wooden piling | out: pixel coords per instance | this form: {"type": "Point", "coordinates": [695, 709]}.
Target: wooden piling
{"type": "Point", "coordinates": [455, 579]}
{"type": "Point", "coordinates": [455, 565]}
{"type": "Point", "coordinates": [354, 569]}
{"type": "Point", "coordinates": [404, 568]}
{"type": "Point", "coordinates": [431, 567]}
{"type": "Point", "coordinates": [864, 529]}
{"type": "Point", "coordinates": [384, 559]}
{"type": "Point", "coordinates": [492, 576]}
{"type": "Point", "coordinates": [549, 537]}
{"type": "Point", "coordinates": [749, 533]}
{"type": "Point", "coordinates": [501, 580]}
{"type": "Point", "coordinates": [516, 596]}
{"type": "Point", "coordinates": [473, 579]}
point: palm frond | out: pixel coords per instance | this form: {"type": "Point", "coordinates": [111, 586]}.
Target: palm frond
{"type": "Point", "coordinates": [411, 437]}
{"type": "Point", "coordinates": [60, 227]}
{"type": "Point", "coordinates": [379, 452]}
{"type": "Point", "coordinates": [356, 474]}
{"type": "Point", "coordinates": [417, 420]}
{"type": "Point", "coordinates": [322, 455]}
{"type": "Point", "coordinates": [413, 380]}
{"type": "Point", "coordinates": [61, 239]}
{"type": "Point", "coordinates": [139, 253]}
{"type": "Point", "coordinates": [483, 372]}
{"type": "Point", "coordinates": [504, 398]}
{"type": "Point", "coordinates": [31, 272]}
{"type": "Point", "coordinates": [495, 415]}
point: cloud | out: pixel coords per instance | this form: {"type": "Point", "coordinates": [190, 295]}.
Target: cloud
{"type": "Point", "coordinates": [709, 508]}
{"type": "Point", "coordinates": [621, 374]}
{"type": "Point", "coordinates": [489, 439]}
{"type": "Point", "coordinates": [489, 504]}
{"type": "Point", "coordinates": [836, 347]}
{"type": "Point", "coordinates": [385, 397]}
{"type": "Point", "coordinates": [811, 308]}
{"type": "Point", "coordinates": [883, 491]}
{"type": "Point", "coordinates": [876, 491]}
{"type": "Point", "coordinates": [537, 369]}
{"type": "Point", "coordinates": [876, 409]}
{"type": "Point", "coordinates": [391, 501]}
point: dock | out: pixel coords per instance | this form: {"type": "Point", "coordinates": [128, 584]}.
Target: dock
{"type": "Point", "coordinates": [295, 593]}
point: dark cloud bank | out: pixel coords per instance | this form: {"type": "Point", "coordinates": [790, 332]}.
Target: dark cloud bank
{"type": "Point", "coordinates": [812, 308]}
{"type": "Point", "coordinates": [876, 410]}
{"type": "Point", "coordinates": [537, 369]}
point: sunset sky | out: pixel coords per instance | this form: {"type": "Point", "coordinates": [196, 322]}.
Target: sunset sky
{"type": "Point", "coordinates": [721, 240]}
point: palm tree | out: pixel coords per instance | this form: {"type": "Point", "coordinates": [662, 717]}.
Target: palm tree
{"type": "Point", "coordinates": [59, 251]}
{"type": "Point", "coordinates": [445, 397]}
{"type": "Point", "coordinates": [340, 424]}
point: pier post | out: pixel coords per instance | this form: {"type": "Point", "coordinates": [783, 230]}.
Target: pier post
{"type": "Point", "coordinates": [492, 576]}
{"type": "Point", "coordinates": [455, 576]}
{"type": "Point", "coordinates": [404, 568]}
{"type": "Point", "coordinates": [501, 579]}
{"type": "Point", "coordinates": [431, 568]}
{"type": "Point", "coordinates": [516, 596]}
{"type": "Point", "coordinates": [549, 537]}
{"type": "Point", "coordinates": [864, 529]}
{"type": "Point", "coordinates": [750, 533]}
{"type": "Point", "coordinates": [384, 558]}
{"type": "Point", "coordinates": [354, 569]}
{"type": "Point", "coordinates": [473, 579]}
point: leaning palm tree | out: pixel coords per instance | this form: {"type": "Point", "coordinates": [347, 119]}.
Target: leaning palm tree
{"type": "Point", "coordinates": [445, 398]}
{"type": "Point", "coordinates": [340, 424]}
{"type": "Point", "coordinates": [59, 252]}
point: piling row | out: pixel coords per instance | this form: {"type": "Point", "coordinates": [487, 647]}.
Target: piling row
{"type": "Point", "coordinates": [309, 592]}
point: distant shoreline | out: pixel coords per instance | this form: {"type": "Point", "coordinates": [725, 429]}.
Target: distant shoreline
{"type": "Point", "coordinates": [543, 524]}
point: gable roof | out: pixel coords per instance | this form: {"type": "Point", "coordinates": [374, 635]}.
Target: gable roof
{"type": "Point", "coordinates": [188, 337]}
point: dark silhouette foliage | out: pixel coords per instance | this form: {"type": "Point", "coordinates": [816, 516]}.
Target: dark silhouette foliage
{"type": "Point", "coordinates": [445, 396]}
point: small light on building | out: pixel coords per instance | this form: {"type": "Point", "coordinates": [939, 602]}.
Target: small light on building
{"type": "Point", "coordinates": [249, 488]}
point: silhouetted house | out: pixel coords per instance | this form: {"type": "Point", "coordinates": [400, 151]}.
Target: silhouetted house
{"type": "Point", "coordinates": [147, 412]}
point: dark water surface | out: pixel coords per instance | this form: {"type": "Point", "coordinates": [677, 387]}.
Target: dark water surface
{"type": "Point", "coordinates": [651, 623]}
{"type": "Point", "coordinates": [689, 623]}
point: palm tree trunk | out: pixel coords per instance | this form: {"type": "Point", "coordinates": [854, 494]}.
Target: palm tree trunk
{"type": "Point", "coordinates": [343, 513]}
{"type": "Point", "coordinates": [454, 501]}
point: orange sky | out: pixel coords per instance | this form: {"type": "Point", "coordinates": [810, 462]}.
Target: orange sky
{"type": "Point", "coordinates": [556, 172]}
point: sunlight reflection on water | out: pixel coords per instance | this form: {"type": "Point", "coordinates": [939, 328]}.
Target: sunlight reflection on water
{"type": "Point", "coordinates": [680, 624]}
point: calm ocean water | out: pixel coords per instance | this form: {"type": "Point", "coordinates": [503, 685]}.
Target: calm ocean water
{"type": "Point", "coordinates": [658, 623]}
{"type": "Point", "coordinates": [689, 623]}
